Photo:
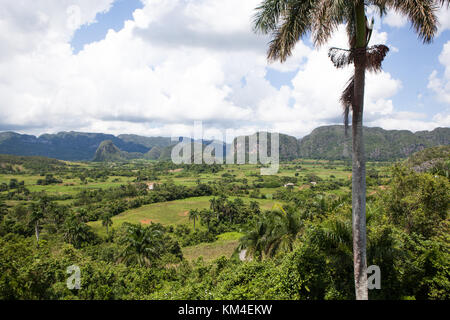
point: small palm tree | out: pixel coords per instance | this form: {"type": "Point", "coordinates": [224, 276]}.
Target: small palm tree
{"type": "Point", "coordinates": [142, 244]}
{"type": "Point", "coordinates": [3, 209]}
{"type": "Point", "coordinates": [107, 221]}
{"type": "Point", "coordinates": [255, 240]}
{"type": "Point", "coordinates": [206, 216]}
{"type": "Point", "coordinates": [289, 20]}
{"type": "Point", "coordinates": [194, 215]}
{"type": "Point", "coordinates": [35, 218]}
{"type": "Point", "coordinates": [39, 211]}
{"type": "Point", "coordinates": [285, 228]}
{"type": "Point", "coordinates": [76, 232]}
{"type": "Point", "coordinates": [275, 232]}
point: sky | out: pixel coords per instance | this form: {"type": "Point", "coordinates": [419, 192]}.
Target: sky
{"type": "Point", "coordinates": [154, 67]}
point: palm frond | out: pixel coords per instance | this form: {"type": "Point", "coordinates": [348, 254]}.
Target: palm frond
{"type": "Point", "coordinates": [326, 17]}
{"type": "Point", "coordinates": [443, 2]}
{"type": "Point", "coordinates": [340, 57]}
{"type": "Point", "coordinates": [268, 15]}
{"type": "Point", "coordinates": [347, 94]}
{"type": "Point", "coordinates": [295, 23]}
{"type": "Point", "coordinates": [421, 13]}
{"type": "Point", "coordinates": [375, 56]}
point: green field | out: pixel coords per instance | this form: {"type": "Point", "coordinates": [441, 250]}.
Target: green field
{"type": "Point", "coordinates": [176, 212]}
{"type": "Point", "coordinates": [224, 246]}
{"type": "Point", "coordinates": [166, 213]}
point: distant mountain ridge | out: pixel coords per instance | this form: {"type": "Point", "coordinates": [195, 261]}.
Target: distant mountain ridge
{"type": "Point", "coordinates": [327, 142]}
{"type": "Point", "coordinates": [63, 145]}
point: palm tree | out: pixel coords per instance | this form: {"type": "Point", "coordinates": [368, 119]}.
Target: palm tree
{"type": "Point", "coordinates": [206, 216]}
{"type": "Point", "coordinates": [285, 227]}
{"type": "Point", "coordinates": [142, 244]}
{"type": "Point", "coordinates": [193, 215]}
{"type": "Point", "coordinates": [107, 221]}
{"type": "Point", "coordinates": [275, 232]}
{"type": "Point", "coordinates": [289, 20]}
{"type": "Point", "coordinates": [35, 218]}
{"type": "Point", "coordinates": [254, 207]}
{"type": "Point", "coordinates": [3, 209]}
{"type": "Point", "coordinates": [76, 232]}
{"type": "Point", "coordinates": [255, 240]}
{"type": "Point", "coordinates": [39, 211]}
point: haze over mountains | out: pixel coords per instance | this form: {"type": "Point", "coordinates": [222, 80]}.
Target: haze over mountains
{"type": "Point", "coordinates": [326, 142]}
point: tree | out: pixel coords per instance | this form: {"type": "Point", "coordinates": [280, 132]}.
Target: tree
{"type": "Point", "coordinates": [274, 232]}
{"type": "Point", "coordinates": [285, 226]}
{"type": "Point", "coordinates": [255, 240]}
{"type": "Point", "coordinates": [142, 244]}
{"type": "Point", "coordinates": [38, 212]}
{"type": "Point", "coordinates": [289, 20]}
{"type": "Point", "coordinates": [254, 207]}
{"type": "Point", "coordinates": [206, 216]}
{"type": "Point", "coordinates": [194, 215]}
{"type": "Point", "coordinates": [3, 209]}
{"type": "Point", "coordinates": [76, 232]}
{"type": "Point", "coordinates": [107, 221]}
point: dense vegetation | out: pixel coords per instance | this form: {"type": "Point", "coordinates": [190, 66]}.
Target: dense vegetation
{"type": "Point", "coordinates": [219, 232]}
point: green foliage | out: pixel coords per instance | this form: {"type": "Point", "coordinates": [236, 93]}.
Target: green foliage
{"type": "Point", "coordinates": [417, 202]}
{"type": "Point", "coordinates": [76, 232]}
{"type": "Point", "coordinates": [145, 245]}
{"type": "Point", "coordinates": [299, 249]}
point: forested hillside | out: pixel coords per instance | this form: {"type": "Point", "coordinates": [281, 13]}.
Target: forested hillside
{"type": "Point", "coordinates": [329, 142]}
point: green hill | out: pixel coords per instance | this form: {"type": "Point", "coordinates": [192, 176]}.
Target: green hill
{"type": "Point", "coordinates": [153, 154]}
{"type": "Point", "coordinates": [329, 142]}
{"type": "Point", "coordinates": [148, 142]}
{"type": "Point", "coordinates": [107, 151]}
{"type": "Point", "coordinates": [289, 146]}
{"type": "Point", "coordinates": [323, 143]}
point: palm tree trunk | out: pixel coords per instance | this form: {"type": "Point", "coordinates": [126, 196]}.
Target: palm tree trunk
{"type": "Point", "coordinates": [36, 229]}
{"type": "Point", "coordinates": [359, 165]}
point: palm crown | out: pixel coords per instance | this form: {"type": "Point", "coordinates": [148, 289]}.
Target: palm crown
{"type": "Point", "coordinates": [289, 20]}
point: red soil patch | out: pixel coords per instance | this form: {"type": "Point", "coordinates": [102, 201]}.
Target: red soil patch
{"type": "Point", "coordinates": [184, 214]}
{"type": "Point", "coordinates": [146, 221]}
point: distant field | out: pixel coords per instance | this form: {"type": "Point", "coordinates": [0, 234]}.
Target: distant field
{"type": "Point", "coordinates": [224, 246]}
{"type": "Point", "coordinates": [166, 213]}
{"type": "Point", "coordinates": [68, 186]}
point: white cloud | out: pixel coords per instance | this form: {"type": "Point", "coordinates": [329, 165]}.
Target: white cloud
{"type": "Point", "coordinates": [177, 61]}
{"type": "Point", "coordinates": [444, 19]}
{"type": "Point", "coordinates": [395, 19]}
{"type": "Point", "coordinates": [398, 20]}
{"type": "Point", "coordinates": [441, 85]}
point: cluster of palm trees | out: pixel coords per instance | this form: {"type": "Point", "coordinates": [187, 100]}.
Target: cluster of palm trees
{"type": "Point", "coordinates": [222, 209]}
{"type": "Point", "coordinates": [287, 21]}
{"type": "Point", "coordinates": [275, 232]}
{"type": "Point", "coordinates": [142, 245]}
